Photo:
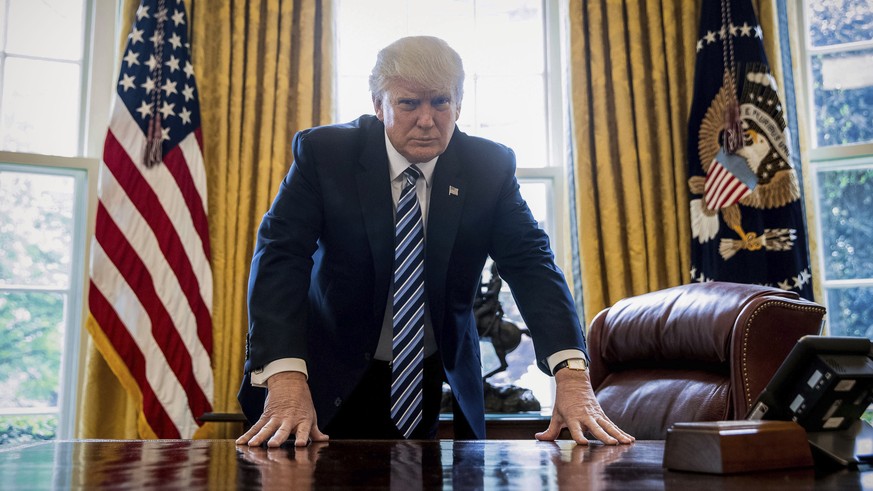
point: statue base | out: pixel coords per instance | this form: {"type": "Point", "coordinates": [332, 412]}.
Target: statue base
{"type": "Point", "coordinates": [499, 399]}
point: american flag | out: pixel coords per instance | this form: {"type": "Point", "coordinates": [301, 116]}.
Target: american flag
{"type": "Point", "coordinates": [728, 180]}
{"type": "Point", "coordinates": [150, 296]}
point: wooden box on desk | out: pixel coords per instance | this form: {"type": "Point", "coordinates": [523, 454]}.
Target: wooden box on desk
{"type": "Point", "coordinates": [726, 447]}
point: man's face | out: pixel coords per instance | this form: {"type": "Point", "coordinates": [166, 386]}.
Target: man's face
{"type": "Point", "coordinates": [419, 122]}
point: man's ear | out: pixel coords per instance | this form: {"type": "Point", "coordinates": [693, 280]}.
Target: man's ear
{"type": "Point", "coordinates": [457, 113]}
{"type": "Point", "coordinates": [377, 106]}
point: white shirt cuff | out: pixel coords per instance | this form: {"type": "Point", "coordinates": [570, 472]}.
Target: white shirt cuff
{"type": "Point", "coordinates": [260, 376]}
{"type": "Point", "coordinates": [554, 359]}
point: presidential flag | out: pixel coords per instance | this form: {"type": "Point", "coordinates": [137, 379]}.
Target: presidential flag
{"type": "Point", "coordinates": [150, 296]}
{"type": "Point", "coordinates": [747, 218]}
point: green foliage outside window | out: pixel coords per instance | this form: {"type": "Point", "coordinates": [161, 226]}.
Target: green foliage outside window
{"type": "Point", "coordinates": [25, 429]}
{"type": "Point", "coordinates": [35, 234]}
{"type": "Point", "coordinates": [842, 89]}
{"type": "Point", "coordinates": [845, 204]}
{"type": "Point", "coordinates": [846, 200]}
{"type": "Point", "coordinates": [839, 21]}
{"type": "Point", "coordinates": [30, 348]}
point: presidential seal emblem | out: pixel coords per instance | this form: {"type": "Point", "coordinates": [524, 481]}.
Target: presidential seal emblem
{"type": "Point", "coordinates": [758, 174]}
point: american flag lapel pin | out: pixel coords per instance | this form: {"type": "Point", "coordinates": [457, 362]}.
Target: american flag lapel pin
{"type": "Point", "coordinates": [453, 191]}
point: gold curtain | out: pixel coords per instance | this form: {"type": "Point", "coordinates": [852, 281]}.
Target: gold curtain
{"type": "Point", "coordinates": [631, 84]}
{"type": "Point", "coordinates": [264, 70]}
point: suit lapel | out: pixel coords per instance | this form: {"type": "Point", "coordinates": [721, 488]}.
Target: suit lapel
{"type": "Point", "coordinates": [374, 190]}
{"type": "Point", "coordinates": [443, 217]}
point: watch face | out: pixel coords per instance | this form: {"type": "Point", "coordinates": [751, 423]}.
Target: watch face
{"type": "Point", "coordinates": [572, 364]}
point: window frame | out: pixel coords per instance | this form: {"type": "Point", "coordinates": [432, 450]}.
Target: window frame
{"type": "Point", "coordinates": [97, 85]}
{"type": "Point", "coordinates": [80, 169]}
{"type": "Point", "coordinates": [830, 158]}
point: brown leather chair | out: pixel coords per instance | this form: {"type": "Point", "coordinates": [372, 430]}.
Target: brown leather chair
{"type": "Point", "coordinates": [698, 352]}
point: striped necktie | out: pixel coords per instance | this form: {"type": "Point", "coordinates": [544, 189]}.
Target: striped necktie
{"type": "Point", "coordinates": [408, 346]}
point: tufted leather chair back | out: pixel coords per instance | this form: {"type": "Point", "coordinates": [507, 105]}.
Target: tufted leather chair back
{"type": "Point", "coordinates": [698, 352]}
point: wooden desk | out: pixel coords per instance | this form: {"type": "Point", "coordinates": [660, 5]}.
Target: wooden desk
{"type": "Point", "coordinates": [493, 464]}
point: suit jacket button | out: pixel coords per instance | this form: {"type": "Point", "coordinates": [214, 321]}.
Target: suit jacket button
{"type": "Point", "coordinates": [367, 356]}
{"type": "Point", "coordinates": [337, 402]}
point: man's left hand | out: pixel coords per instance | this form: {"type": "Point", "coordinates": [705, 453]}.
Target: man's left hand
{"type": "Point", "coordinates": [576, 408]}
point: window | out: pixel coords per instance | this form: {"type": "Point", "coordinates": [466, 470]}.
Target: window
{"type": "Point", "coordinates": [837, 56]}
{"type": "Point", "coordinates": [54, 107]}
{"type": "Point", "coordinates": [510, 50]}
{"type": "Point", "coordinates": [40, 297]}
{"type": "Point", "coordinates": [42, 66]}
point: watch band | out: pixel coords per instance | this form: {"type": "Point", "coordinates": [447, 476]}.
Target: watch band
{"type": "Point", "coordinates": [572, 364]}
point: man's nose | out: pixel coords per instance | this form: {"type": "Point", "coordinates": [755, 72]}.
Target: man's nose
{"type": "Point", "coordinates": [425, 116]}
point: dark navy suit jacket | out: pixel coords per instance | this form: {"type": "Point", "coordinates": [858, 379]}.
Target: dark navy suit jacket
{"type": "Point", "coordinates": [322, 267]}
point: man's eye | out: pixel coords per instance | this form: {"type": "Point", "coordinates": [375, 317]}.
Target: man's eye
{"type": "Point", "coordinates": [441, 101]}
{"type": "Point", "coordinates": [407, 103]}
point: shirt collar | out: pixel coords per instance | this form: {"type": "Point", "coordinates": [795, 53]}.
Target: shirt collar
{"type": "Point", "coordinates": [398, 163]}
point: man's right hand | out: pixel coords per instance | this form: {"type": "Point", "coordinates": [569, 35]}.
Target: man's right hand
{"type": "Point", "coordinates": [288, 410]}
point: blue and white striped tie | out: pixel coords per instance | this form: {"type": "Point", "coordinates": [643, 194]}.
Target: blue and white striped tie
{"type": "Point", "coordinates": [408, 347]}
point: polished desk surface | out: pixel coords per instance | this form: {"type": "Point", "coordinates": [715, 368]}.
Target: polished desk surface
{"type": "Point", "coordinates": [491, 464]}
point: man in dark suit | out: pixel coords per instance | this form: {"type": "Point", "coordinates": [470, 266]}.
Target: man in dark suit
{"type": "Point", "coordinates": [367, 265]}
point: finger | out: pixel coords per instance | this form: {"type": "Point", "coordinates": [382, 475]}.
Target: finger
{"type": "Point", "coordinates": [599, 427]}
{"type": "Point", "coordinates": [279, 436]}
{"type": "Point", "coordinates": [265, 432]}
{"type": "Point", "coordinates": [242, 440]}
{"type": "Point", "coordinates": [615, 431]}
{"type": "Point", "coordinates": [551, 433]}
{"type": "Point", "coordinates": [303, 434]}
{"type": "Point", "coordinates": [316, 435]}
{"type": "Point", "coordinates": [577, 433]}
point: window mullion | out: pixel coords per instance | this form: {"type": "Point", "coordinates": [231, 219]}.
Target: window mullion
{"type": "Point", "coordinates": [839, 48]}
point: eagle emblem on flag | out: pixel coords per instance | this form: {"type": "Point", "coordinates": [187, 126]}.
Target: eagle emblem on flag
{"type": "Point", "coordinates": [759, 174]}
{"type": "Point", "coordinates": [747, 220]}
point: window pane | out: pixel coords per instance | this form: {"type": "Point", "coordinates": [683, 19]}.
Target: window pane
{"type": "Point", "coordinates": [36, 227]}
{"type": "Point", "coordinates": [31, 337]}
{"type": "Point", "coordinates": [358, 40]}
{"type": "Point", "coordinates": [23, 429]}
{"type": "Point", "coordinates": [840, 21]}
{"type": "Point", "coordinates": [846, 209]}
{"type": "Point", "coordinates": [850, 311]}
{"type": "Point", "coordinates": [537, 196]}
{"type": "Point", "coordinates": [354, 98]}
{"type": "Point", "coordinates": [843, 93]}
{"type": "Point", "coordinates": [2, 28]}
{"type": "Point", "coordinates": [46, 28]}
{"type": "Point", "coordinates": [40, 104]}
{"type": "Point", "coordinates": [512, 111]}
{"type": "Point", "coordinates": [509, 34]}
{"type": "Point", "coordinates": [453, 21]}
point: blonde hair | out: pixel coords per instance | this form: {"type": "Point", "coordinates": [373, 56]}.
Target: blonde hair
{"type": "Point", "coordinates": [426, 61]}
